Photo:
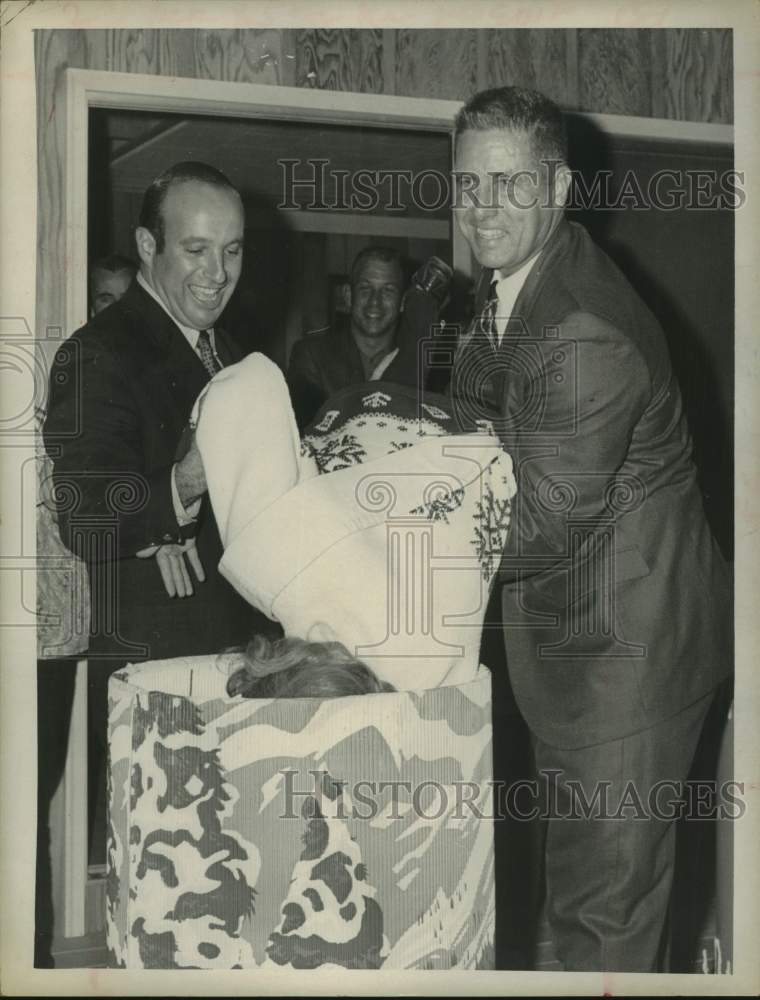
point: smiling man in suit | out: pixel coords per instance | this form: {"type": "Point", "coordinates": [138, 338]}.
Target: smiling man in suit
{"type": "Point", "coordinates": [121, 394]}
{"type": "Point", "coordinates": [126, 384]}
{"type": "Point", "coordinates": [616, 603]}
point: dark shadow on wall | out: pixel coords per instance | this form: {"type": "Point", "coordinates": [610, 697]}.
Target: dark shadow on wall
{"type": "Point", "coordinates": [681, 262]}
{"type": "Point", "coordinates": [261, 308]}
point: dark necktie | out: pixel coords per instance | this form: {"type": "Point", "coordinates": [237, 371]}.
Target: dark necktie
{"type": "Point", "coordinates": [485, 323]}
{"type": "Point", "coordinates": [206, 353]}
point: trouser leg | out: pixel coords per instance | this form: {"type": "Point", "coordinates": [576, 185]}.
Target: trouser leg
{"type": "Point", "coordinates": [55, 695]}
{"type": "Point", "coordinates": [518, 841]}
{"type": "Point", "coordinates": [609, 876]}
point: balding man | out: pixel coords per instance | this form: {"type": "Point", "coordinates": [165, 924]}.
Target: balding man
{"type": "Point", "coordinates": [134, 373]}
{"type": "Point", "coordinates": [121, 395]}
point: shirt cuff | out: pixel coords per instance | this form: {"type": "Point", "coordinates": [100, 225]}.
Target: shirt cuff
{"type": "Point", "coordinates": [184, 515]}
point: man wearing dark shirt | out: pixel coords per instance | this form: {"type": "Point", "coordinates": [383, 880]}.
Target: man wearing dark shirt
{"type": "Point", "coordinates": [378, 340]}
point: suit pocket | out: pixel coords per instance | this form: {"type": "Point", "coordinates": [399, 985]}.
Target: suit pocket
{"type": "Point", "coordinates": [571, 580]}
{"type": "Point", "coordinates": [630, 564]}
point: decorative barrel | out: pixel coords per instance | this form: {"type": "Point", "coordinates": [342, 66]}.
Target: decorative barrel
{"type": "Point", "coordinates": [354, 832]}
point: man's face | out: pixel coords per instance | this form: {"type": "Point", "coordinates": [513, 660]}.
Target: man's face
{"type": "Point", "coordinates": [502, 232]}
{"type": "Point", "coordinates": [107, 287]}
{"type": "Point", "coordinates": [376, 298]}
{"type": "Point", "coordinates": [196, 273]}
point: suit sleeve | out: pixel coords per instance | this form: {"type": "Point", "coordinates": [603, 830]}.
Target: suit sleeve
{"type": "Point", "coordinates": [108, 503]}
{"type": "Point", "coordinates": [307, 392]}
{"type": "Point", "coordinates": [571, 432]}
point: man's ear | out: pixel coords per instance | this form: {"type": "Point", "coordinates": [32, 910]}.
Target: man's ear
{"type": "Point", "coordinates": [562, 180]}
{"type": "Point", "coordinates": [146, 245]}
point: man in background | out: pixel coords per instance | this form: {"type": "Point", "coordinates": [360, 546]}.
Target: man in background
{"type": "Point", "coordinates": [110, 277]}
{"type": "Point", "coordinates": [381, 335]}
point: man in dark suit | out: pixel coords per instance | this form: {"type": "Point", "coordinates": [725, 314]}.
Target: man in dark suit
{"type": "Point", "coordinates": [120, 398]}
{"type": "Point", "coordinates": [616, 602]}
{"type": "Point", "coordinates": [121, 394]}
{"type": "Point", "coordinates": [377, 340]}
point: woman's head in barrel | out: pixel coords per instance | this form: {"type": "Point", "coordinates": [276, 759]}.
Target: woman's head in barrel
{"type": "Point", "coordinates": [295, 668]}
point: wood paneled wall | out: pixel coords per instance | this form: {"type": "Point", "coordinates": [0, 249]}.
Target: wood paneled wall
{"type": "Point", "coordinates": [672, 73]}
{"type": "Point", "coordinates": [681, 73]}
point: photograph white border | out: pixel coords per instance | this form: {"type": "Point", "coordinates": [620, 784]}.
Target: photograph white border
{"type": "Point", "coordinates": [18, 257]}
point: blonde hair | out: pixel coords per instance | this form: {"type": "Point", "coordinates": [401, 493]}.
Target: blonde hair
{"type": "Point", "coordinates": [294, 668]}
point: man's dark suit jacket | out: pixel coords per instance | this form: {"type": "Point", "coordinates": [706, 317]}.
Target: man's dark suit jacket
{"type": "Point", "coordinates": [616, 600]}
{"type": "Point", "coordinates": [121, 392]}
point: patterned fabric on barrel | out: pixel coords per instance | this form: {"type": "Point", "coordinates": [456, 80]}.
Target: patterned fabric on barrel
{"type": "Point", "coordinates": [352, 832]}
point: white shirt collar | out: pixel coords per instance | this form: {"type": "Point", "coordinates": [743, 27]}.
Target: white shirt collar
{"type": "Point", "coordinates": [190, 335]}
{"type": "Point", "coordinates": [507, 290]}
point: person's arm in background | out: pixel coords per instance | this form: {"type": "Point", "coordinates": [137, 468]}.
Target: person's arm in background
{"type": "Point", "coordinates": [307, 393]}
{"type": "Point", "coordinates": [422, 305]}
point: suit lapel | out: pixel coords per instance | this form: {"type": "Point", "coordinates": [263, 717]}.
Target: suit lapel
{"type": "Point", "coordinates": [519, 327]}
{"type": "Point", "coordinates": [185, 375]}
{"type": "Point", "coordinates": [516, 353]}
{"type": "Point", "coordinates": [227, 348]}
{"type": "Point", "coordinates": [530, 291]}
{"type": "Point", "coordinates": [504, 379]}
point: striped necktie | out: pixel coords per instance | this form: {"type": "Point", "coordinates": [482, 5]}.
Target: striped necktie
{"type": "Point", "coordinates": [206, 353]}
{"type": "Point", "coordinates": [485, 323]}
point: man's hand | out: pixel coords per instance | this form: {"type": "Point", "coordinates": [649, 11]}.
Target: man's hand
{"type": "Point", "coordinates": [171, 563]}
{"type": "Point", "coordinates": [190, 477]}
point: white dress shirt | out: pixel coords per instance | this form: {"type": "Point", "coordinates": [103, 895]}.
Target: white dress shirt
{"type": "Point", "coordinates": [184, 515]}
{"type": "Point", "coordinates": [190, 335]}
{"type": "Point", "coordinates": [507, 290]}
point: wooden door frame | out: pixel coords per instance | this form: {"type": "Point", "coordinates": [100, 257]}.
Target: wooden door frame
{"type": "Point", "coordinates": [86, 89]}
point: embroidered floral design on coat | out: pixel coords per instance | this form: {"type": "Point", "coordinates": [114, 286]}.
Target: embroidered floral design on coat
{"type": "Point", "coordinates": [440, 508]}
{"type": "Point", "coordinates": [492, 517]}
{"type": "Point", "coordinates": [340, 452]}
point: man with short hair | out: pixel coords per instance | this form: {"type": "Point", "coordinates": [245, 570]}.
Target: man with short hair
{"type": "Point", "coordinates": [616, 602]}
{"type": "Point", "coordinates": [121, 393]}
{"type": "Point", "coordinates": [381, 335]}
{"type": "Point", "coordinates": [110, 277]}
{"type": "Point", "coordinates": [127, 383]}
